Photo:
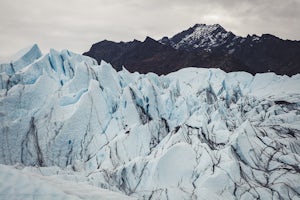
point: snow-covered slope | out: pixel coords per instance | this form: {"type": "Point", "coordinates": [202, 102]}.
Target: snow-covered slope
{"type": "Point", "coordinates": [192, 134]}
{"type": "Point", "coordinates": [202, 37]}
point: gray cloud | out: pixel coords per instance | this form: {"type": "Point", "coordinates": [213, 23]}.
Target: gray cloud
{"type": "Point", "coordinates": [76, 24]}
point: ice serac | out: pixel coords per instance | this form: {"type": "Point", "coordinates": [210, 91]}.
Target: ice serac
{"type": "Point", "coordinates": [192, 134]}
{"type": "Point", "coordinates": [21, 59]}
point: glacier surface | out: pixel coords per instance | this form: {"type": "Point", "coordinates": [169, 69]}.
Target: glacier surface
{"type": "Point", "coordinates": [73, 127]}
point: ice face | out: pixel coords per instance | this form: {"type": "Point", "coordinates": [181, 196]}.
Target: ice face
{"type": "Point", "coordinates": [192, 134]}
{"type": "Point", "coordinates": [21, 59]}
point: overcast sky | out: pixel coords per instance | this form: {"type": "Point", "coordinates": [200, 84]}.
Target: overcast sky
{"type": "Point", "coordinates": [77, 24]}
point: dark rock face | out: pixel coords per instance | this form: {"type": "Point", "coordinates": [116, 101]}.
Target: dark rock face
{"type": "Point", "coordinates": [152, 56]}
{"type": "Point", "coordinates": [270, 53]}
{"type": "Point", "coordinates": [208, 46]}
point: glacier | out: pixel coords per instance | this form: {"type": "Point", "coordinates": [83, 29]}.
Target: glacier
{"type": "Point", "coordinates": [76, 129]}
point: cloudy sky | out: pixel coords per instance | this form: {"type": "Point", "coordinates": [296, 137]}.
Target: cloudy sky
{"type": "Point", "coordinates": [76, 24]}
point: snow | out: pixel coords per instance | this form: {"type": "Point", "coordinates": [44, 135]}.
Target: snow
{"type": "Point", "coordinates": [231, 51]}
{"type": "Point", "coordinates": [255, 38]}
{"type": "Point", "coordinates": [172, 166]}
{"type": "Point", "coordinates": [73, 129]}
{"type": "Point", "coordinates": [20, 184]}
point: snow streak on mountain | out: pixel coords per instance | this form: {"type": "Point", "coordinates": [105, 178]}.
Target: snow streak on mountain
{"type": "Point", "coordinates": [70, 127]}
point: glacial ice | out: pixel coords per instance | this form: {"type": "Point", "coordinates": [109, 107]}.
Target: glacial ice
{"type": "Point", "coordinates": [24, 184]}
{"type": "Point", "coordinates": [192, 134]}
{"type": "Point", "coordinates": [21, 59]}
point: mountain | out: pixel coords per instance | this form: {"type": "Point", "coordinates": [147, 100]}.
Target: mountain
{"type": "Point", "coordinates": [69, 125]}
{"type": "Point", "coordinates": [207, 46]}
{"type": "Point", "coordinates": [260, 54]}
{"type": "Point", "coordinates": [152, 56]}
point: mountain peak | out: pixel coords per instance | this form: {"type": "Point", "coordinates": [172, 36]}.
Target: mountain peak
{"type": "Point", "coordinates": [199, 36]}
{"type": "Point", "coordinates": [149, 39]}
{"type": "Point", "coordinates": [205, 25]}
{"type": "Point", "coordinates": [198, 25]}
{"type": "Point", "coordinates": [208, 29]}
